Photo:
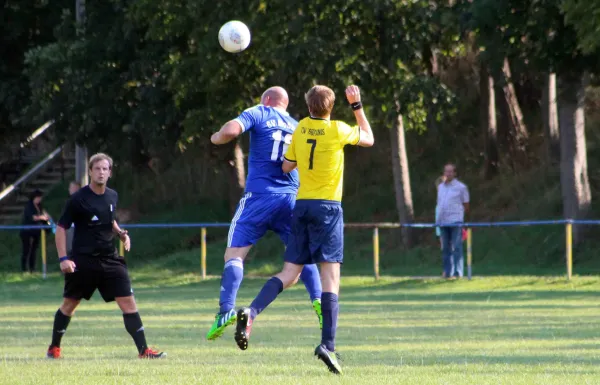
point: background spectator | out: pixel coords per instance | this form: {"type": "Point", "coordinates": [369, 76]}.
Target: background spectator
{"type": "Point", "coordinates": [452, 204]}
{"type": "Point", "coordinates": [33, 214]}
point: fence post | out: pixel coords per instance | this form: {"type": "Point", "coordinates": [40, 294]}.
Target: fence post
{"type": "Point", "coordinates": [569, 251]}
{"type": "Point", "coordinates": [203, 252]}
{"type": "Point", "coordinates": [44, 254]}
{"type": "Point", "coordinates": [469, 252]}
{"type": "Point", "coordinates": [376, 252]}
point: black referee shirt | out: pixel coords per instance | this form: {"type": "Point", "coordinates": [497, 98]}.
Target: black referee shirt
{"type": "Point", "coordinates": [93, 217]}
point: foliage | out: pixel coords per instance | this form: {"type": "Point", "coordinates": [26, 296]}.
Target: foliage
{"type": "Point", "coordinates": [584, 17]}
{"type": "Point", "coordinates": [534, 31]}
{"type": "Point", "coordinates": [153, 73]}
{"type": "Point", "coordinates": [106, 85]}
{"type": "Point", "coordinates": [24, 24]}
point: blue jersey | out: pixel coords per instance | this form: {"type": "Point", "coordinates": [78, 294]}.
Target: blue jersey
{"type": "Point", "coordinates": [271, 132]}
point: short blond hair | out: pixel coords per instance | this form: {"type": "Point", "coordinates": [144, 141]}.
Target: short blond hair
{"type": "Point", "coordinates": [320, 100]}
{"type": "Point", "coordinates": [98, 158]}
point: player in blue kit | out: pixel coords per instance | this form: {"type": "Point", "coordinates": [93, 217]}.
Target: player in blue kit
{"type": "Point", "coordinates": [268, 201]}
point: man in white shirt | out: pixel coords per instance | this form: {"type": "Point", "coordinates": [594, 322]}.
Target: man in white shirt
{"type": "Point", "coordinates": [452, 204]}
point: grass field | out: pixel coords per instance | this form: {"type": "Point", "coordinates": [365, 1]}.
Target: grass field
{"type": "Point", "coordinates": [510, 330]}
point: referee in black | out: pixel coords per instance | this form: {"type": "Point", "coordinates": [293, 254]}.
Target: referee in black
{"type": "Point", "coordinates": [94, 262]}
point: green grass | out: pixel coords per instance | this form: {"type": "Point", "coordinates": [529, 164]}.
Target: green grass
{"type": "Point", "coordinates": [509, 330]}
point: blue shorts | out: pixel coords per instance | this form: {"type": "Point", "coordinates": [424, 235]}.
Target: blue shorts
{"type": "Point", "coordinates": [257, 213]}
{"type": "Point", "coordinates": [317, 233]}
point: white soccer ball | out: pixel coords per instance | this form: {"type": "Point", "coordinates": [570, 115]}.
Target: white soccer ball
{"type": "Point", "coordinates": [234, 36]}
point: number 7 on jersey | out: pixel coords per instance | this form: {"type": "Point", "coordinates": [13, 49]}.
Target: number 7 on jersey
{"type": "Point", "coordinates": [313, 143]}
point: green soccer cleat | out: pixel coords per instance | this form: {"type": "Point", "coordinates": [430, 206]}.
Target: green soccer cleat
{"type": "Point", "coordinates": [329, 358]}
{"type": "Point", "coordinates": [222, 320]}
{"type": "Point", "coordinates": [317, 306]}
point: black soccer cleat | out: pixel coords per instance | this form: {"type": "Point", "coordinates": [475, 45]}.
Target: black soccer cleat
{"type": "Point", "coordinates": [243, 328]}
{"type": "Point", "coordinates": [329, 358]}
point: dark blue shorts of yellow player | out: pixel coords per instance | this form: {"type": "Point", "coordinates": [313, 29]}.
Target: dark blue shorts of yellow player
{"type": "Point", "coordinates": [317, 233]}
{"type": "Point", "coordinates": [258, 213]}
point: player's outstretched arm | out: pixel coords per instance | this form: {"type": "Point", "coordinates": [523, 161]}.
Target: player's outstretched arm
{"type": "Point", "coordinates": [227, 133]}
{"type": "Point", "coordinates": [366, 134]}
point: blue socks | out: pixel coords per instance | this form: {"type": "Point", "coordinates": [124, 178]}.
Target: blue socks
{"type": "Point", "coordinates": [267, 294]}
{"type": "Point", "coordinates": [330, 309]}
{"type": "Point", "coordinates": [230, 283]}
{"type": "Point", "coordinates": [312, 280]}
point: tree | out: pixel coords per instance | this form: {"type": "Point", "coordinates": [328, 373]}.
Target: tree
{"type": "Point", "coordinates": [488, 98]}
{"type": "Point", "coordinates": [25, 24]}
{"type": "Point", "coordinates": [237, 175]}
{"type": "Point", "coordinates": [582, 15]}
{"type": "Point", "coordinates": [105, 83]}
{"type": "Point", "coordinates": [498, 26]}
{"type": "Point", "coordinates": [520, 132]}
{"type": "Point", "coordinates": [550, 118]}
{"type": "Point", "coordinates": [401, 171]}
{"type": "Point", "coordinates": [575, 185]}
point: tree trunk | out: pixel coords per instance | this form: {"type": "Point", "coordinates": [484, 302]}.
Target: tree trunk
{"type": "Point", "coordinates": [237, 175]}
{"type": "Point", "coordinates": [488, 96]}
{"type": "Point", "coordinates": [401, 173]}
{"type": "Point", "coordinates": [516, 116]}
{"type": "Point", "coordinates": [430, 60]}
{"type": "Point", "coordinates": [550, 118]}
{"type": "Point", "coordinates": [575, 186]}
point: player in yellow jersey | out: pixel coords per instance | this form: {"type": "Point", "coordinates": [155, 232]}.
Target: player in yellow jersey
{"type": "Point", "coordinates": [317, 150]}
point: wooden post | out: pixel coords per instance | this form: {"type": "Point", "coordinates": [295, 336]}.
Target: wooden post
{"type": "Point", "coordinates": [203, 252]}
{"type": "Point", "coordinates": [44, 255]}
{"type": "Point", "coordinates": [469, 252]}
{"type": "Point", "coordinates": [376, 252]}
{"type": "Point", "coordinates": [569, 246]}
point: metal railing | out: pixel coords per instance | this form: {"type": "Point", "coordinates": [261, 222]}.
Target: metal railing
{"type": "Point", "coordinates": [16, 154]}
{"type": "Point", "coordinates": [39, 131]}
{"type": "Point", "coordinates": [567, 223]}
{"type": "Point", "coordinates": [30, 173]}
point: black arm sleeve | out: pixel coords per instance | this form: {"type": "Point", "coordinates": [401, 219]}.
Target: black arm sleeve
{"type": "Point", "coordinates": [68, 215]}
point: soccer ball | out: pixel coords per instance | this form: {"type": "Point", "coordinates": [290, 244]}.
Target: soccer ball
{"type": "Point", "coordinates": [234, 36]}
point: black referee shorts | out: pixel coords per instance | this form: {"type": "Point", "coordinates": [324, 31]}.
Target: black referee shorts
{"type": "Point", "coordinates": [108, 275]}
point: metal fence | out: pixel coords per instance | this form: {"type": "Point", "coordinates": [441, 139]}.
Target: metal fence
{"type": "Point", "coordinates": [375, 227]}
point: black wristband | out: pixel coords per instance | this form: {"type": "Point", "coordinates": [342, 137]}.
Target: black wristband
{"type": "Point", "coordinates": [62, 259]}
{"type": "Point", "coordinates": [356, 106]}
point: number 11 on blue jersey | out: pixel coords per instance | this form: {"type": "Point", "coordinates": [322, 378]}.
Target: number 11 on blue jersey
{"type": "Point", "coordinates": [278, 138]}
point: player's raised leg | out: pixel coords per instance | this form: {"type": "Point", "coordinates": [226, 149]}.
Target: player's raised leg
{"type": "Point", "coordinates": [248, 225]}
{"type": "Point", "coordinates": [312, 281]}
{"type": "Point", "coordinates": [62, 318]}
{"type": "Point", "coordinates": [245, 316]}
{"type": "Point", "coordinates": [233, 273]}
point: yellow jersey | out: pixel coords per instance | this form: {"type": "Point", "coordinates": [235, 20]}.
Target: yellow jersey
{"type": "Point", "coordinates": [318, 149]}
